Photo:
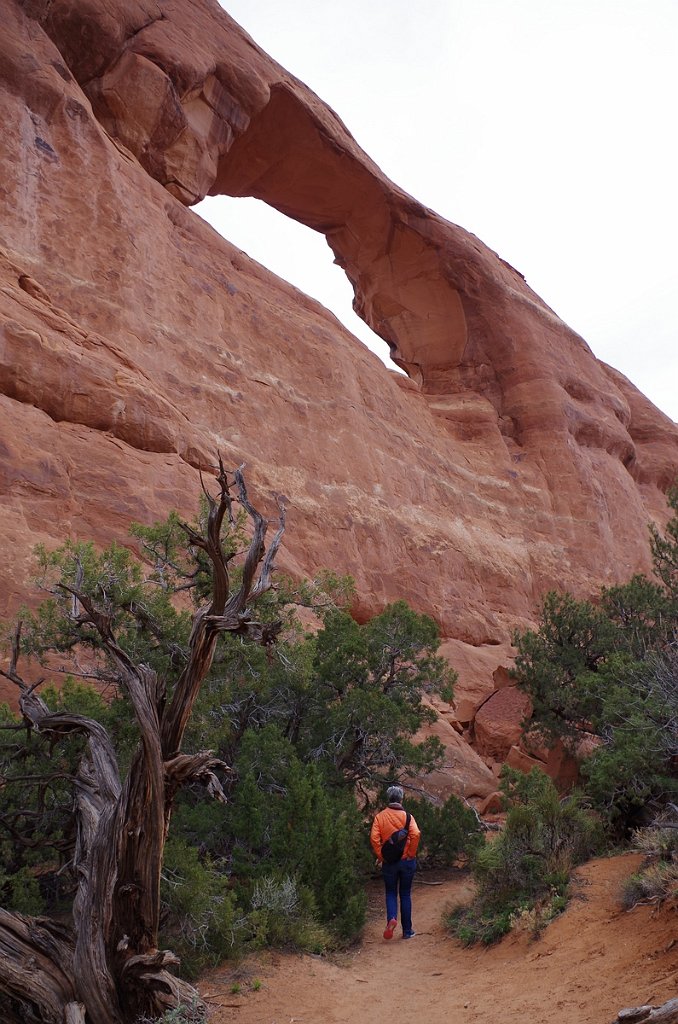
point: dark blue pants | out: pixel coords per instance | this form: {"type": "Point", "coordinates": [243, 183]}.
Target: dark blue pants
{"type": "Point", "coordinates": [398, 880]}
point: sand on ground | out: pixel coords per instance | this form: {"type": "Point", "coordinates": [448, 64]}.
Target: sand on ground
{"type": "Point", "coordinates": [589, 963]}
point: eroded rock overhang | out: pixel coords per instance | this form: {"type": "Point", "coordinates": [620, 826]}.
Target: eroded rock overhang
{"type": "Point", "coordinates": [205, 110]}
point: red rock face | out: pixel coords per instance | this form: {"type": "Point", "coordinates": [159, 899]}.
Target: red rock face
{"type": "Point", "coordinates": [497, 723]}
{"type": "Point", "coordinates": [135, 341]}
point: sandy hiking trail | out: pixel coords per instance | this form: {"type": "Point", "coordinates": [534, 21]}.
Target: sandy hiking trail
{"type": "Point", "coordinates": [589, 963]}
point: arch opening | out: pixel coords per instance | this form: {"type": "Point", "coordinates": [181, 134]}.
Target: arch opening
{"type": "Point", "coordinates": [295, 253]}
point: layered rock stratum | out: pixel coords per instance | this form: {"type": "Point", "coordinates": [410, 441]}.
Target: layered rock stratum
{"type": "Point", "coordinates": [135, 342]}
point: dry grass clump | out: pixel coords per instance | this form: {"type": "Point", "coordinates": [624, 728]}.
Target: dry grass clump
{"type": "Point", "coordinates": [657, 880]}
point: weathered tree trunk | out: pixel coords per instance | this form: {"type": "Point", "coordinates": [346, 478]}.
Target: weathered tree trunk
{"type": "Point", "coordinates": [109, 970]}
{"type": "Point", "coordinates": [37, 969]}
{"type": "Point", "coordinates": [667, 1013]}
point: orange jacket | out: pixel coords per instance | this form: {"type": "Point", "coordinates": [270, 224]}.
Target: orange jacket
{"type": "Point", "coordinates": [385, 824]}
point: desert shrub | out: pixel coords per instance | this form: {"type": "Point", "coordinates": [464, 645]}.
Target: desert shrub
{"type": "Point", "coordinates": [657, 879]}
{"type": "Point", "coordinates": [36, 804]}
{"type": "Point", "coordinates": [448, 832]}
{"type": "Point", "coordinates": [527, 867]}
{"type": "Point", "coordinates": [657, 842]}
{"type": "Point", "coordinates": [303, 728]}
{"type": "Point", "coordinates": [364, 703]}
{"type": "Point", "coordinates": [178, 1015]}
{"type": "Point", "coordinates": [201, 919]}
{"type": "Point", "coordinates": [592, 680]}
{"type": "Point", "coordinates": [21, 891]}
{"type": "Point", "coordinates": [534, 918]}
{"type": "Point", "coordinates": [656, 882]}
{"type": "Point", "coordinates": [285, 812]}
{"type": "Point", "coordinates": [477, 923]}
{"type": "Point", "coordinates": [283, 913]}
{"type": "Point", "coordinates": [609, 669]}
{"type": "Point", "coordinates": [349, 698]}
{"type": "Point", "coordinates": [559, 665]}
{"type": "Point", "coordinates": [631, 775]}
{"type": "Point", "coordinates": [543, 839]}
{"type": "Point", "coordinates": [280, 865]}
{"type": "Point", "coordinates": [520, 789]}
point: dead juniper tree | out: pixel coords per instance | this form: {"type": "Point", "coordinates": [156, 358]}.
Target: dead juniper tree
{"type": "Point", "coordinates": [107, 968]}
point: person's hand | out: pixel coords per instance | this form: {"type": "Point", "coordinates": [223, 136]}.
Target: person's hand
{"type": "Point", "coordinates": [378, 864]}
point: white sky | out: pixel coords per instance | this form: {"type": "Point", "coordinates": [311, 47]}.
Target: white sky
{"type": "Point", "coordinates": [549, 128]}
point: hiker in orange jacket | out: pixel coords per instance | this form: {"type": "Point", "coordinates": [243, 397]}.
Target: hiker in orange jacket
{"type": "Point", "coordinates": [398, 877]}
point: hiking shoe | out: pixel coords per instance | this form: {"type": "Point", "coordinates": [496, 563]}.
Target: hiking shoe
{"type": "Point", "coordinates": [409, 935]}
{"type": "Point", "coordinates": [390, 928]}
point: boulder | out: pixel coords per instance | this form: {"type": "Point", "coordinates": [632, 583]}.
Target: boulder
{"type": "Point", "coordinates": [497, 724]}
{"type": "Point", "coordinates": [463, 773]}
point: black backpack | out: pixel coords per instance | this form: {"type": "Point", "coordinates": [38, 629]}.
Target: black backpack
{"type": "Point", "coordinates": [394, 847]}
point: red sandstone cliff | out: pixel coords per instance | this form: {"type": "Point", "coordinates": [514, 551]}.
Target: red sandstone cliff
{"type": "Point", "coordinates": [135, 341]}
